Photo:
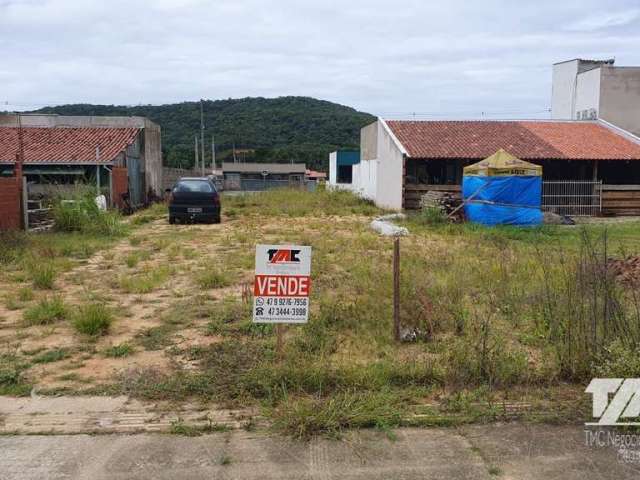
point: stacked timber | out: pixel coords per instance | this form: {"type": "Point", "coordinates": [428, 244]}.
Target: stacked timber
{"type": "Point", "coordinates": [413, 193]}
{"type": "Point", "coordinates": [447, 202]}
{"type": "Point", "coordinates": [40, 220]}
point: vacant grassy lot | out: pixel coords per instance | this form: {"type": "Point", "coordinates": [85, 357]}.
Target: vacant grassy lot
{"type": "Point", "coordinates": [497, 315]}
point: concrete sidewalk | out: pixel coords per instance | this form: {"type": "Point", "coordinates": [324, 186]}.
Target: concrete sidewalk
{"type": "Point", "coordinates": [510, 451]}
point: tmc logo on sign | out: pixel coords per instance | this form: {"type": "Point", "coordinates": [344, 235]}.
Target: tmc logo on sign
{"type": "Point", "coordinates": [283, 256]}
{"type": "Point", "coordinates": [625, 402]}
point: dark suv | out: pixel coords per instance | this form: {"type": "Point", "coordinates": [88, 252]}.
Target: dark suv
{"type": "Point", "coordinates": [193, 199]}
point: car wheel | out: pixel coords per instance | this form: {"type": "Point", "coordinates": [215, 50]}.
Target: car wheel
{"type": "Point", "coordinates": [217, 219]}
{"type": "Point", "coordinates": [172, 220]}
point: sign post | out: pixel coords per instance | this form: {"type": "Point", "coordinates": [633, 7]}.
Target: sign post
{"type": "Point", "coordinates": [396, 288]}
{"type": "Point", "coordinates": [281, 286]}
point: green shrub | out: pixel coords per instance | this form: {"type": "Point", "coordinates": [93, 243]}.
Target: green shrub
{"type": "Point", "coordinates": [618, 361]}
{"type": "Point", "coordinates": [46, 311]}
{"type": "Point", "coordinates": [93, 319]}
{"type": "Point", "coordinates": [81, 214]}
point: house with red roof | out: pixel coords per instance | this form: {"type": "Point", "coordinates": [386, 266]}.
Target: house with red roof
{"type": "Point", "coordinates": [120, 155]}
{"type": "Point", "coordinates": [401, 160]}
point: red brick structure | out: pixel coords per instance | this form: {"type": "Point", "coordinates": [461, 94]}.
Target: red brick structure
{"type": "Point", "coordinates": [119, 184]}
{"type": "Point", "coordinates": [10, 204]}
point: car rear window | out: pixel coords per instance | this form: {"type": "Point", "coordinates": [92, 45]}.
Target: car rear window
{"type": "Point", "coordinates": [201, 186]}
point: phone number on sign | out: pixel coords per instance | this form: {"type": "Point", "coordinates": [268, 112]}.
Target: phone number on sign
{"type": "Point", "coordinates": [286, 302]}
{"type": "Point", "coordinates": [286, 311]}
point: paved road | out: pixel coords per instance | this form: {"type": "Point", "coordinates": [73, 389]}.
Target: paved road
{"type": "Point", "coordinates": [512, 451]}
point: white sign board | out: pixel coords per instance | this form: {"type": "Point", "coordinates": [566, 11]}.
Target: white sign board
{"type": "Point", "coordinates": [282, 284]}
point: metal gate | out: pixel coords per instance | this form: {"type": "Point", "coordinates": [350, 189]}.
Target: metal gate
{"type": "Point", "coordinates": [572, 197]}
{"type": "Point", "coordinates": [135, 181]}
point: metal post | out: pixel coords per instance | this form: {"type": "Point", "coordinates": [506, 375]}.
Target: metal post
{"type": "Point", "coordinates": [213, 155]}
{"type": "Point", "coordinates": [111, 203]}
{"type": "Point", "coordinates": [202, 135]}
{"type": "Point", "coordinates": [98, 168]}
{"type": "Point", "coordinates": [25, 203]}
{"type": "Point", "coordinates": [396, 288]}
{"type": "Point", "coordinates": [195, 166]}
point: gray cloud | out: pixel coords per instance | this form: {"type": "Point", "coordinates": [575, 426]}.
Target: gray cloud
{"type": "Point", "coordinates": [444, 59]}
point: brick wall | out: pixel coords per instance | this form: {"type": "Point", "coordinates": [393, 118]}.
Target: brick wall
{"type": "Point", "coordinates": [119, 184]}
{"type": "Point", "coordinates": [10, 204]}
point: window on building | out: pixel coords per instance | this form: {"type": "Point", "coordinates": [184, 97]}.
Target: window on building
{"type": "Point", "coordinates": [344, 174]}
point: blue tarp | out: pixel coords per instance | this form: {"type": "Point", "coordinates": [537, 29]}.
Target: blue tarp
{"type": "Point", "coordinates": [503, 200]}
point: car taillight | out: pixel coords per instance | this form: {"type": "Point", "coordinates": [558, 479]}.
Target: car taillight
{"type": "Point", "coordinates": [216, 199]}
{"type": "Point", "coordinates": [171, 197]}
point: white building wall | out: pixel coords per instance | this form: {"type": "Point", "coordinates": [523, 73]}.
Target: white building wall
{"type": "Point", "coordinates": [563, 90]}
{"type": "Point", "coordinates": [587, 103]}
{"type": "Point", "coordinates": [365, 179]}
{"type": "Point", "coordinates": [333, 168]}
{"type": "Point", "coordinates": [389, 169]}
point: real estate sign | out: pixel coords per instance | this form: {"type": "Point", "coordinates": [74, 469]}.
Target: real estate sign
{"type": "Point", "coordinates": [282, 284]}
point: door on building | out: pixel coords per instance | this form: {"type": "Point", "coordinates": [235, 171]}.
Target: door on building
{"type": "Point", "coordinates": [136, 188]}
{"type": "Point", "coordinates": [295, 180]}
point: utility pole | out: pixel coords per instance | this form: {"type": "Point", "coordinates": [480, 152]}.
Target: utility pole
{"type": "Point", "coordinates": [202, 134]}
{"type": "Point", "coordinates": [396, 288]}
{"type": "Point", "coordinates": [213, 154]}
{"type": "Point", "coordinates": [98, 168]}
{"type": "Point", "coordinates": [195, 165]}
{"type": "Point", "coordinates": [20, 178]}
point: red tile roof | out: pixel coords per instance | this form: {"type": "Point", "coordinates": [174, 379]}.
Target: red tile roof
{"type": "Point", "coordinates": [524, 139]}
{"type": "Point", "coordinates": [315, 174]}
{"type": "Point", "coordinates": [65, 145]}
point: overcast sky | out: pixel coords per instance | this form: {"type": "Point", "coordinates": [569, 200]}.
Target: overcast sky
{"type": "Point", "coordinates": [440, 59]}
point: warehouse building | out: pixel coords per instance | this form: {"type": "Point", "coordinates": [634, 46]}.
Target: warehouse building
{"type": "Point", "coordinates": [120, 155]}
{"type": "Point", "coordinates": [263, 176]}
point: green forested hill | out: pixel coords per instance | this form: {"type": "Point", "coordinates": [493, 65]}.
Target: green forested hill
{"type": "Point", "coordinates": [299, 129]}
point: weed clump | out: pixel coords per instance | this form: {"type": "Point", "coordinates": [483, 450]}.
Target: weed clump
{"type": "Point", "coordinates": [51, 356]}
{"type": "Point", "coordinates": [306, 417]}
{"type": "Point", "coordinates": [145, 282]}
{"type": "Point", "coordinates": [12, 380]}
{"type": "Point", "coordinates": [82, 214]}
{"type": "Point", "coordinates": [430, 215]}
{"type": "Point", "coordinates": [46, 312]}
{"type": "Point", "coordinates": [93, 319]}
{"type": "Point", "coordinates": [213, 278]}
{"type": "Point", "coordinates": [119, 351]}
{"type": "Point", "coordinates": [43, 274]}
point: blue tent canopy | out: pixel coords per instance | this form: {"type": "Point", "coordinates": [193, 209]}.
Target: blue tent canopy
{"type": "Point", "coordinates": [501, 190]}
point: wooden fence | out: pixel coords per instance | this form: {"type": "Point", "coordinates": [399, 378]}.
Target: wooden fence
{"type": "Point", "coordinates": [615, 199]}
{"type": "Point", "coordinates": [620, 199]}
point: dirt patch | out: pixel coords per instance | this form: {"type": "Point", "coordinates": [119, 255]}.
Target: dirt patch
{"type": "Point", "coordinates": [626, 270]}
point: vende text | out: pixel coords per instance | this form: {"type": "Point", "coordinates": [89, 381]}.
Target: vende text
{"type": "Point", "coordinates": [281, 286]}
